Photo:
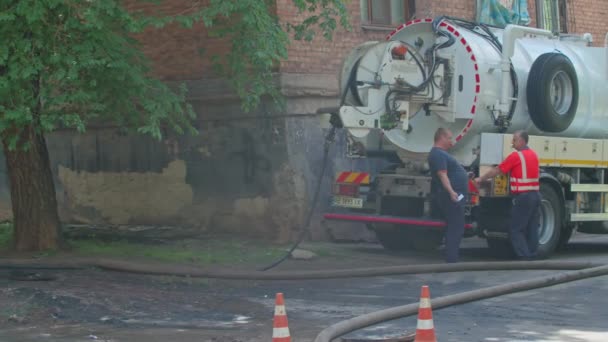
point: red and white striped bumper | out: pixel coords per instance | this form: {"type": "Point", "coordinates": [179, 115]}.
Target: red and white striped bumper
{"type": "Point", "coordinates": [390, 219]}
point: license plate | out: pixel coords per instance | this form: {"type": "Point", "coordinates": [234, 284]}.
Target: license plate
{"type": "Point", "coordinates": [348, 202]}
{"type": "Point", "coordinates": [501, 185]}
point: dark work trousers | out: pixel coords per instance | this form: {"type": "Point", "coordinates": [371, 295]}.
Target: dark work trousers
{"type": "Point", "coordinates": [525, 219]}
{"type": "Point", "coordinates": [453, 213]}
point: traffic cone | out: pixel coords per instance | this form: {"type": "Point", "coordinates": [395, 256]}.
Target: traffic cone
{"type": "Point", "coordinates": [280, 330]}
{"type": "Point", "coordinates": [425, 330]}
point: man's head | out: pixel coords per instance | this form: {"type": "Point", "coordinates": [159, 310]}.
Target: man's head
{"type": "Point", "coordinates": [520, 140]}
{"type": "Point", "coordinates": [443, 138]}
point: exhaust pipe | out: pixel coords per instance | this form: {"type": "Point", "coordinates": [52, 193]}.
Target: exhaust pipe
{"type": "Point", "coordinates": [606, 51]}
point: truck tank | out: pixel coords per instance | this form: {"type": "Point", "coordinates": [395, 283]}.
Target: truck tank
{"type": "Point", "coordinates": [470, 78]}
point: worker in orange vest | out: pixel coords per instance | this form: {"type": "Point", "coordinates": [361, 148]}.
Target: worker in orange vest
{"type": "Point", "coordinates": [524, 170]}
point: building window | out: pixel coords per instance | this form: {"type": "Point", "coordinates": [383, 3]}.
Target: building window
{"type": "Point", "coordinates": [386, 12]}
{"type": "Point", "coordinates": [552, 15]}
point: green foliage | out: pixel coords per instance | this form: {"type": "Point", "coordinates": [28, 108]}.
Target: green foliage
{"type": "Point", "coordinates": [324, 16]}
{"type": "Point", "coordinates": [258, 40]}
{"type": "Point", "coordinates": [67, 63]}
{"type": "Point", "coordinates": [213, 251]}
{"type": "Point", "coordinates": [6, 235]}
{"type": "Point", "coordinates": [202, 252]}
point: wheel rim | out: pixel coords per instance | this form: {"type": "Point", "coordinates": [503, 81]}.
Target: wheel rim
{"type": "Point", "coordinates": [561, 92]}
{"type": "Point", "coordinates": [547, 222]}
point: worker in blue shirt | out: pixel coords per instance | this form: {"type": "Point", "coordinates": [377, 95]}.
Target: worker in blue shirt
{"type": "Point", "coordinates": [449, 187]}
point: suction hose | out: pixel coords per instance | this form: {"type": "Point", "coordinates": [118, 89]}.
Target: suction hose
{"type": "Point", "coordinates": [198, 272]}
{"type": "Point", "coordinates": [581, 270]}
{"type": "Point", "coordinates": [363, 321]}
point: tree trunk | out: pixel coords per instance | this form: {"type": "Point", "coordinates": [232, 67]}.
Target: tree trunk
{"type": "Point", "coordinates": [35, 216]}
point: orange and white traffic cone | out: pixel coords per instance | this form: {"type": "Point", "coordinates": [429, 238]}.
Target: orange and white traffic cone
{"type": "Point", "coordinates": [425, 330]}
{"type": "Point", "coordinates": [280, 330]}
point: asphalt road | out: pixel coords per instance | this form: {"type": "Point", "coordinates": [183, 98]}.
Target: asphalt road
{"type": "Point", "coordinates": [570, 312]}
{"type": "Point", "coordinates": [106, 306]}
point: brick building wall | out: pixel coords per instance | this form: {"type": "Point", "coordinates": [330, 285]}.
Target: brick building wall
{"type": "Point", "coordinates": [464, 9]}
{"type": "Point", "coordinates": [176, 52]}
{"type": "Point", "coordinates": [320, 56]}
{"type": "Point", "coordinates": [253, 176]}
{"type": "Point", "coordinates": [589, 16]}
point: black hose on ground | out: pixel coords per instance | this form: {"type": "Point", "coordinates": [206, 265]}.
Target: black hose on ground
{"type": "Point", "coordinates": [198, 272]}
{"type": "Point", "coordinates": [363, 321]}
{"type": "Point", "coordinates": [336, 123]}
{"type": "Point", "coordinates": [328, 140]}
{"type": "Point", "coordinates": [583, 269]}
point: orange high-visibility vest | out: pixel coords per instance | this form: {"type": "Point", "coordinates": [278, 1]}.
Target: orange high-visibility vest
{"type": "Point", "coordinates": [524, 169]}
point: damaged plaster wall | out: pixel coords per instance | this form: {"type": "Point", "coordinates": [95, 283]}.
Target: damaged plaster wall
{"type": "Point", "coordinates": [305, 144]}
{"type": "Point", "coordinates": [247, 174]}
{"type": "Point", "coordinates": [235, 177]}
{"type": "Point", "coordinates": [125, 197]}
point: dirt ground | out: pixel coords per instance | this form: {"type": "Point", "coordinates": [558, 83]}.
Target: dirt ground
{"type": "Point", "coordinates": [99, 300]}
{"type": "Point", "coordinates": [97, 305]}
{"type": "Point", "coordinates": [93, 304]}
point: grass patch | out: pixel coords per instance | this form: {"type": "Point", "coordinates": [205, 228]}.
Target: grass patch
{"type": "Point", "coordinates": [200, 251]}
{"type": "Point", "coordinates": [6, 240]}
{"type": "Point", "coordinates": [319, 249]}
{"type": "Point", "coordinates": [6, 235]}
{"type": "Point", "coordinates": [212, 251]}
{"type": "Point", "coordinates": [203, 252]}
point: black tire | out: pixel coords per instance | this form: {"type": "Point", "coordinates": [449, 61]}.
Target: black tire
{"type": "Point", "coordinates": [425, 239]}
{"type": "Point", "coordinates": [552, 91]}
{"type": "Point", "coordinates": [550, 230]}
{"type": "Point", "coordinates": [501, 248]}
{"type": "Point", "coordinates": [494, 216]}
{"type": "Point", "coordinates": [399, 238]}
{"type": "Point", "coordinates": [551, 222]}
{"type": "Point", "coordinates": [352, 85]}
{"type": "Point", "coordinates": [565, 236]}
{"type": "Point", "coordinates": [392, 239]}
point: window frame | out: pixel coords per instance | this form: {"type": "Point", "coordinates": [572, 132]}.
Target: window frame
{"type": "Point", "coordinates": [559, 20]}
{"type": "Point", "coordinates": [409, 8]}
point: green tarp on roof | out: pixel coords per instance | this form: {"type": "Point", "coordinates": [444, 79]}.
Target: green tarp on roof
{"type": "Point", "coordinates": [492, 12]}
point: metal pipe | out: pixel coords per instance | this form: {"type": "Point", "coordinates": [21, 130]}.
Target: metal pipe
{"type": "Point", "coordinates": [512, 33]}
{"type": "Point", "coordinates": [564, 178]}
{"type": "Point", "coordinates": [606, 52]}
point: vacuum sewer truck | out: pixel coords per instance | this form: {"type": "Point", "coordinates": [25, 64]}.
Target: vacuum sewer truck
{"type": "Point", "coordinates": [482, 83]}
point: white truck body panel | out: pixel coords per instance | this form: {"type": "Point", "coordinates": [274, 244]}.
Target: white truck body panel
{"type": "Point", "coordinates": [476, 89]}
{"type": "Point", "coordinates": [551, 151]}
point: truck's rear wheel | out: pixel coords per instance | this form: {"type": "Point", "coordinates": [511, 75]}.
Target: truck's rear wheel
{"type": "Point", "coordinates": [399, 238]}
{"type": "Point", "coordinates": [549, 231]}
{"type": "Point", "coordinates": [425, 240]}
{"type": "Point", "coordinates": [565, 236]}
{"type": "Point", "coordinates": [392, 239]}
{"type": "Point", "coordinates": [551, 221]}
{"type": "Point", "coordinates": [500, 247]}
